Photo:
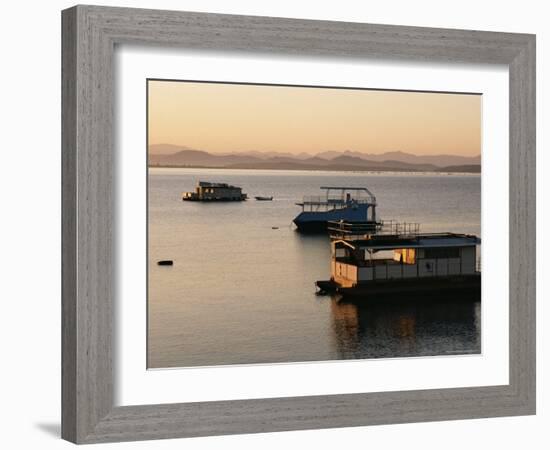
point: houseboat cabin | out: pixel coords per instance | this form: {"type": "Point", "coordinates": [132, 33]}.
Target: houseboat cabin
{"type": "Point", "coordinates": [400, 261]}
{"type": "Point", "coordinates": [206, 192]}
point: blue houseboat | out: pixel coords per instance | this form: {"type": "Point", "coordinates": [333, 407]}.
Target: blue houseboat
{"type": "Point", "coordinates": [349, 204]}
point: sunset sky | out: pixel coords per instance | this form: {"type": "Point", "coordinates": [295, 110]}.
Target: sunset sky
{"type": "Point", "coordinates": [221, 118]}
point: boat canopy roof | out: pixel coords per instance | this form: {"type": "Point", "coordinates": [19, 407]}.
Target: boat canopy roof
{"type": "Point", "coordinates": [348, 188]}
{"type": "Point", "coordinates": [340, 198]}
{"type": "Point", "coordinates": [216, 185]}
{"type": "Point", "coordinates": [419, 241]}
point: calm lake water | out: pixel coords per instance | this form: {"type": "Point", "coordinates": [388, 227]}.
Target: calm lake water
{"type": "Point", "coordinates": [241, 292]}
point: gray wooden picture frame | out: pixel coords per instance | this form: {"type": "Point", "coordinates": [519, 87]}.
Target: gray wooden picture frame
{"type": "Point", "coordinates": [90, 34]}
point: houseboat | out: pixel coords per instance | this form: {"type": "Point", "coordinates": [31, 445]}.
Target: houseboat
{"type": "Point", "coordinates": [349, 204]}
{"type": "Point", "coordinates": [401, 261]}
{"type": "Point", "coordinates": [215, 192]}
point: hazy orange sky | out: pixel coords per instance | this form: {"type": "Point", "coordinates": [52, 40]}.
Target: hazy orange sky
{"type": "Point", "coordinates": [231, 118]}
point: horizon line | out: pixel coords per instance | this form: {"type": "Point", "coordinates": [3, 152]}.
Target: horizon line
{"type": "Point", "coordinates": [185, 147]}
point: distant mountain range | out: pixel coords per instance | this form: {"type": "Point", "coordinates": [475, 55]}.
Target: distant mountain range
{"type": "Point", "coordinates": [166, 155]}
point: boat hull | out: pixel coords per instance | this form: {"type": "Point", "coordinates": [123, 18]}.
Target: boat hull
{"type": "Point", "coordinates": [467, 287]}
{"type": "Point", "coordinates": [312, 226]}
{"type": "Point", "coordinates": [317, 221]}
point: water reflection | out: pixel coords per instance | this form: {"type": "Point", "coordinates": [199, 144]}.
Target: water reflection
{"type": "Point", "coordinates": [405, 328]}
{"type": "Point", "coordinates": [241, 290]}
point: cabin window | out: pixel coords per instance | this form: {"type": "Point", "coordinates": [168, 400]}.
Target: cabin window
{"type": "Point", "coordinates": [409, 256]}
{"type": "Point", "coordinates": [442, 252]}
{"type": "Point", "coordinates": [340, 252]}
{"type": "Point", "coordinates": [405, 255]}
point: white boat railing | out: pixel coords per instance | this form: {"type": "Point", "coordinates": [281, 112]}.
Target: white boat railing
{"type": "Point", "coordinates": [323, 200]}
{"type": "Point", "coordinates": [346, 230]}
{"type": "Point", "coordinates": [395, 228]}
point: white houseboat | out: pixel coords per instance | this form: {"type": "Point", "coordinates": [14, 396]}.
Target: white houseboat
{"type": "Point", "coordinates": [400, 261]}
{"type": "Point", "coordinates": [214, 192]}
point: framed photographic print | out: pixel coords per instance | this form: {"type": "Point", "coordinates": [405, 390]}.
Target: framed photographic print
{"type": "Point", "coordinates": [278, 224]}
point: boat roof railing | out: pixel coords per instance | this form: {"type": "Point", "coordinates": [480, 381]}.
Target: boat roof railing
{"type": "Point", "coordinates": [426, 240]}
{"type": "Point", "coordinates": [327, 199]}
{"type": "Point", "coordinates": [391, 234]}
{"type": "Point", "coordinates": [349, 188]}
{"type": "Point", "coordinates": [345, 188]}
{"type": "Point", "coordinates": [355, 231]}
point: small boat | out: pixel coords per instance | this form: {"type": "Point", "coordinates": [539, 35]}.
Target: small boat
{"type": "Point", "coordinates": [263, 199]}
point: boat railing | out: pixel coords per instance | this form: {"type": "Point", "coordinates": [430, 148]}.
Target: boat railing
{"type": "Point", "coordinates": [323, 200]}
{"type": "Point", "coordinates": [396, 228]}
{"type": "Point", "coordinates": [346, 230]}
{"type": "Point", "coordinates": [351, 231]}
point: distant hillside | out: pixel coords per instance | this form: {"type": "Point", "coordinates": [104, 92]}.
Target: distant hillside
{"type": "Point", "coordinates": [166, 149]}
{"type": "Point", "coordinates": [173, 156]}
{"type": "Point", "coordinates": [437, 160]}
{"type": "Point", "coordinates": [472, 168]}
{"type": "Point", "coordinates": [199, 158]}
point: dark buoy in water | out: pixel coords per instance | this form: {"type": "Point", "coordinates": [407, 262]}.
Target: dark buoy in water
{"type": "Point", "coordinates": [166, 262]}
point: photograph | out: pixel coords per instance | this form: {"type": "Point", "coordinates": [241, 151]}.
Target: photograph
{"type": "Point", "coordinates": [275, 225]}
{"type": "Point", "coordinates": [290, 224]}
